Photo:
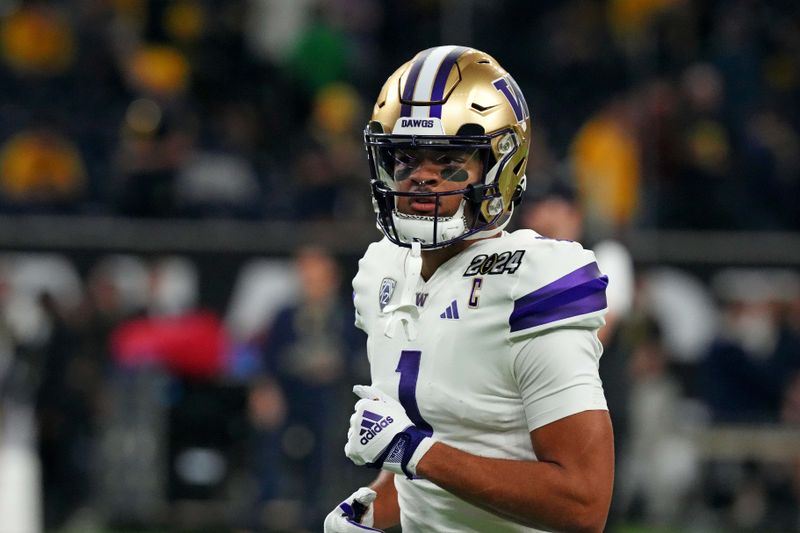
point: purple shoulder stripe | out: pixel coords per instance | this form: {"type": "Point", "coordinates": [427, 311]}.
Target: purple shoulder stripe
{"type": "Point", "coordinates": [580, 292]}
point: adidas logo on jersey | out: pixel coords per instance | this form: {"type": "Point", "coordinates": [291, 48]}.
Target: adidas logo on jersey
{"type": "Point", "coordinates": [372, 424]}
{"type": "Point", "coordinates": [451, 313]}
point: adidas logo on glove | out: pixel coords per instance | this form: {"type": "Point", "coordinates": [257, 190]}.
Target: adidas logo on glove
{"type": "Point", "coordinates": [372, 424]}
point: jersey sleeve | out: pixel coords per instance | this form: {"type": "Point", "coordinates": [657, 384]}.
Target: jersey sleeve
{"type": "Point", "coordinates": [560, 285]}
{"type": "Point", "coordinates": [375, 264]}
{"type": "Point", "coordinates": [359, 321]}
{"type": "Point", "coordinates": [557, 375]}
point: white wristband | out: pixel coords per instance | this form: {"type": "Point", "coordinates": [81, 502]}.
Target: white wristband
{"type": "Point", "coordinates": [421, 450]}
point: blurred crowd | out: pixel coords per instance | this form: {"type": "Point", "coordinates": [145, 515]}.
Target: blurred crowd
{"type": "Point", "coordinates": [143, 397]}
{"type": "Point", "coordinates": [140, 398]}
{"type": "Point", "coordinates": [672, 113]}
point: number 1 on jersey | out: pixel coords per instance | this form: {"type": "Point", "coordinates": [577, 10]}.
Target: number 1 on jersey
{"type": "Point", "coordinates": [408, 366]}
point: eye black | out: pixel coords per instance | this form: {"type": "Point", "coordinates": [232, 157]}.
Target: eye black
{"type": "Point", "coordinates": [455, 174]}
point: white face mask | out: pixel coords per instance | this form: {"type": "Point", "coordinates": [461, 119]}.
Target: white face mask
{"type": "Point", "coordinates": [413, 228]}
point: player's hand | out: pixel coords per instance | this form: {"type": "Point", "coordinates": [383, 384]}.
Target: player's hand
{"type": "Point", "coordinates": [382, 436]}
{"type": "Point", "coordinates": [354, 515]}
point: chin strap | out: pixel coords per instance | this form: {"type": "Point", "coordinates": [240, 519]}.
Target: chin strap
{"type": "Point", "coordinates": [406, 312]}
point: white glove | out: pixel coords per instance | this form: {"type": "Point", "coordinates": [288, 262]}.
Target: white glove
{"type": "Point", "coordinates": [354, 515]}
{"type": "Point", "coordinates": [382, 436]}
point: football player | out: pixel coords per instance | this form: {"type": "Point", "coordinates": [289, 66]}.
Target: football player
{"type": "Point", "coordinates": [485, 412]}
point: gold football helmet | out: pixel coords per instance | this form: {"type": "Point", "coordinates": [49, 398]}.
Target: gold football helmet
{"type": "Point", "coordinates": [458, 104]}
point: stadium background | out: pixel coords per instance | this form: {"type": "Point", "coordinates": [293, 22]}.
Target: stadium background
{"type": "Point", "coordinates": [183, 199]}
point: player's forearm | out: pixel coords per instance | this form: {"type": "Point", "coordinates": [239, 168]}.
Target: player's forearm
{"type": "Point", "coordinates": [533, 493]}
{"type": "Point", "coordinates": [386, 508]}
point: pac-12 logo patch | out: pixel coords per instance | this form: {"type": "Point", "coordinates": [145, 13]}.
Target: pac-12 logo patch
{"type": "Point", "coordinates": [385, 294]}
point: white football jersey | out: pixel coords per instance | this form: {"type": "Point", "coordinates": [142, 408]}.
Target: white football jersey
{"type": "Point", "coordinates": [488, 357]}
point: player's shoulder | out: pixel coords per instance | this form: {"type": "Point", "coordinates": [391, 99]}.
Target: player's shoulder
{"type": "Point", "coordinates": [535, 256]}
{"type": "Point", "coordinates": [379, 249]}
{"type": "Point", "coordinates": [547, 256]}
{"type": "Point", "coordinates": [544, 245]}
{"type": "Point", "coordinates": [557, 283]}
{"type": "Point", "coordinates": [381, 266]}
{"type": "Point", "coordinates": [525, 255]}
{"type": "Point", "coordinates": [379, 257]}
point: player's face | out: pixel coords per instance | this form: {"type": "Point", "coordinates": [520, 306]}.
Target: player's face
{"type": "Point", "coordinates": [434, 171]}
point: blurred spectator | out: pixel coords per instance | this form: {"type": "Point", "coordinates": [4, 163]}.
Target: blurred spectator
{"type": "Point", "coordinates": [159, 71]}
{"type": "Point", "coordinates": [40, 168]}
{"type": "Point", "coordinates": [37, 40]}
{"type": "Point", "coordinates": [175, 335]}
{"type": "Point", "coordinates": [320, 53]}
{"type": "Point", "coordinates": [750, 379]}
{"type": "Point", "coordinates": [328, 157]}
{"type": "Point", "coordinates": [632, 20]}
{"type": "Point", "coordinates": [309, 348]}
{"type": "Point", "coordinates": [707, 168]}
{"type": "Point", "coordinates": [684, 309]}
{"type": "Point", "coordinates": [70, 381]}
{"type": "Point", "coordinates": [53, 374]}
{"type": "Point", "coordinates": [571, 44]}
{"type": "Point", "coordinates": [606, 155]}
{"type": "Point", "coordinates": [217, 184]}
{"type": "Point", "coordinates": [185, 21]}
{"type": "Point", "coordinates": [737, 54]}
{"type": "Point", "coordinates": [663, 153]}
{"type": "Point", "coordinates": [273, 26]}
{"type": "Point", "coordinates": [749, 364]}
{"type": "Point", "coordinates": [118, 287]}
{"type": "Point", "coordinates": [790, 407]}
{"type": "Point", "coordinates": [659, 465]}
{"type": "Point", "coordinates": [173, 286]}
{"type": "Point", "coordinates": [154, 147]}
{"type": "Point", "coordinates": [771, 161]}
{"type": "Point", "coordinates": [193, 345]}
{"type": "Point", "coordinates": [263, 288]}
{"type": "Point", "coordinates": [551, 208]}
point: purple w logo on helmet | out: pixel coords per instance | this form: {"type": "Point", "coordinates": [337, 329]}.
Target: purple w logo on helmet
{"type": "Point", "coordinates": [513, 94]}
